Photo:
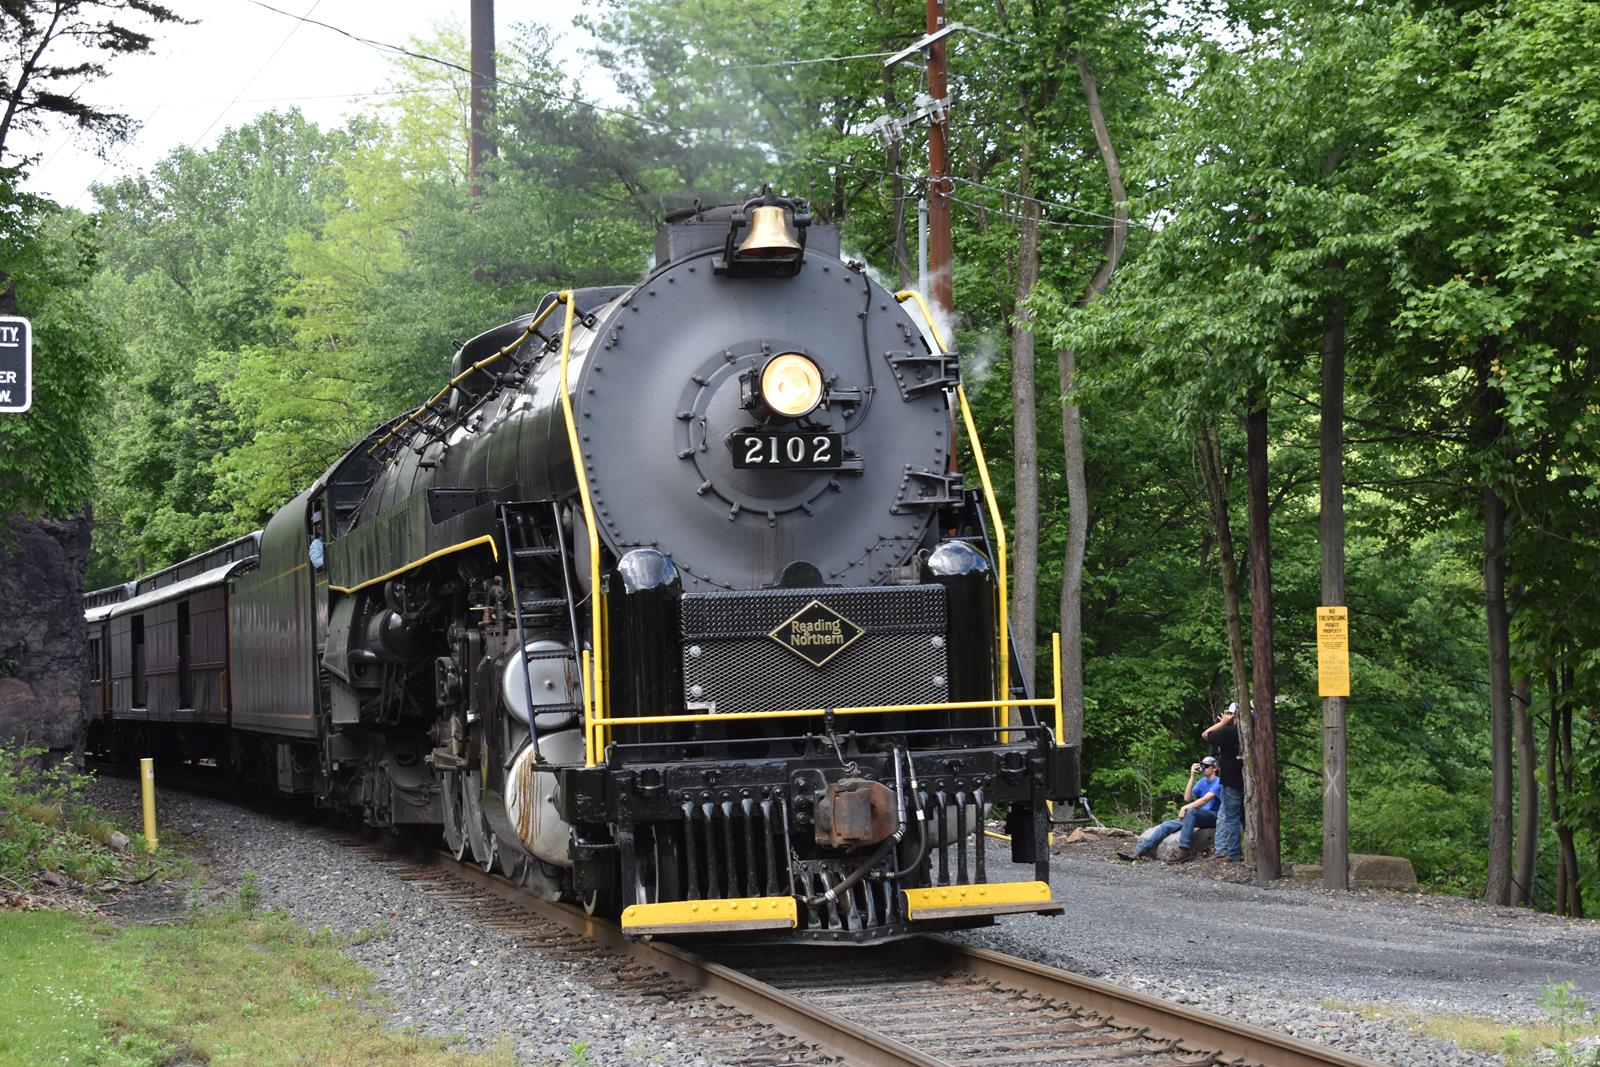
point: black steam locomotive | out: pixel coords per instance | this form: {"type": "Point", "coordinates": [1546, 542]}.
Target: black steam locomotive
{"type": "Point", "coordinates": [672, 602]}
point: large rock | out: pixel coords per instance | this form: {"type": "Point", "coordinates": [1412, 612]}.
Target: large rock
{"type": "Point", "coordinates": [1369, 871]}
{"type": "Point", "coordinates": [41, 632]}
{"type": "Point", "coordinates": [1382, 872]}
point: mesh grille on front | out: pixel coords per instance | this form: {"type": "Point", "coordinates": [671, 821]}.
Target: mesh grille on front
{"type": "Point", "coordinates": [741, 668]}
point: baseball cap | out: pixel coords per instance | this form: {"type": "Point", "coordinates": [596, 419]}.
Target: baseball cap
{"type": "Point", "coordinates": [1209, 761]}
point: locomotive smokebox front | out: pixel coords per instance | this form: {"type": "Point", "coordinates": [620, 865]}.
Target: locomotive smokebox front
{"type": "Point", "coordinates": [749, 422]}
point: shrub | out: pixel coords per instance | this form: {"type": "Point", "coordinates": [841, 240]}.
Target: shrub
{"type": "Point", "coordinates": [45, 823]}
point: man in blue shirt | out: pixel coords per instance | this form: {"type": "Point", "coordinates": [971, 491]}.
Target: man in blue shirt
{"type": "Point", "coordinates": [1204, 796]}
{"type": "Point", "coordinates": [315, 550]}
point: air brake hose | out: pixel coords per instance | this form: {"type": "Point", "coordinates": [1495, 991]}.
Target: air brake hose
{"type": "Point", "coordinates": [925, 836]}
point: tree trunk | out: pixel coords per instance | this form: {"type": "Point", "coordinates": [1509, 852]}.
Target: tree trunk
{"type": "Point", "coordinates": [1489, 428]}
{"type": "Point", "coordinates": [1527, 794]}
{"type": "Point", "coordinates": [1335, 798]}
{"type": "Point", "coordinates": [1564, 834]}
{"type": "Point", "coordinates": [1558, 781]}
{"type": "Point", "coordinates": [1025, 451]}
{"type": "Point", "coordinates": [1264, 744]}
{"type": "Point", "coordinates": [1552, 786]}
{"type": "Point", "coordinates": [1072, 425]}
{"type": "Point", "coordinates": [1208, 445]}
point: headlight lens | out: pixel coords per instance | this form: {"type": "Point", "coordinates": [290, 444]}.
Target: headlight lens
{"type": "Point", "coordinates": [791, 385]}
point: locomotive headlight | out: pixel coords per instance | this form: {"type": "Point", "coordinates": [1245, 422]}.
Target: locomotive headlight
{"type": "Point", "coordinates": [791, 385]}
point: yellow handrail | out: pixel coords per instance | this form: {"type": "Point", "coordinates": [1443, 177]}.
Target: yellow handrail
{"type": "Point", "coordinates": [1055, 653]}
{"type": "Point", "coordinates": [886, 709]}
{"type": "Point", "coordinates": [988, 496]}
{"type": "Point", "coordinates": [589, 727]}
{"type": "Point", "coordinates": [427, 405]}
{"type": "Point", "coordinates": [594, 706]}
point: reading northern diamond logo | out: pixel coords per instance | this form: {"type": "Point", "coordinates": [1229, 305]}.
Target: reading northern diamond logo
{"type": "Point", "coordinates": [816, 633]}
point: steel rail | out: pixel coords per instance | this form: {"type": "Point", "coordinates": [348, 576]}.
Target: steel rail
{"type": "Point", "coordinates": [1233, 1041]}
{"type": "Point", "coordinates": [1230, 1041]}
{"type": "Point", "coordinates": [1192, 1026]}
{"type": "Point", "coordinates": [855, 1043]}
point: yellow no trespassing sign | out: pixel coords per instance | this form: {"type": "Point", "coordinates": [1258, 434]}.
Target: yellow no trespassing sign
{"type": "Point", "coordinates": [1333, 652]}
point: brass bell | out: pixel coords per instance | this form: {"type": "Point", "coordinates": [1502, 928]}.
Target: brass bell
{"type": "Point", "coordinates": [769, 234]}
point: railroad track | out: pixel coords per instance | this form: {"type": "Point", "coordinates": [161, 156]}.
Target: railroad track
{"type": "Point", "coordinates": [928, 1002]}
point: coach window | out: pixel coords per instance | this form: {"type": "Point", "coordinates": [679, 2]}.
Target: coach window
{"type": "Point", "coordinates": [138, 661]}
{"type": "Point", "coordinates": [185, 687]}
{"type": "Point", "coordinates": [94, 659]}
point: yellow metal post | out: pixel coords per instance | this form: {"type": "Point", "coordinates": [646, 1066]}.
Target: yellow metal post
{"type": "Point", "coordinates": [147, 782]}
{"type": "Point", "coordinates": [1055, 702]}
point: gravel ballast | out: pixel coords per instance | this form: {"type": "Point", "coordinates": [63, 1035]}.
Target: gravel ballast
{"type": "Point", "coordinates": [1295, 960]}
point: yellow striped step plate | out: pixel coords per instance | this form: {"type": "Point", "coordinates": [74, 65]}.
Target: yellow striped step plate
{"type": "Point", "coordinates": [710, 916]}
{"type": "Point", "coordinates": [995, 898]}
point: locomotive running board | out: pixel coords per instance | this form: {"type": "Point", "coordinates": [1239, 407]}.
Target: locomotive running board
{"type": "Point", "coordinates": [710, 916]}
{"type": "Point", "coordinates": [995, 898]}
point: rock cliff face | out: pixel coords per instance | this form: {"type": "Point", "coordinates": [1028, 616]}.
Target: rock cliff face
{"type": "Point", "coordinates": [41, 632]}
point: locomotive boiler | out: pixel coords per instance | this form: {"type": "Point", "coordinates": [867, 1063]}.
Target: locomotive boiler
{"type": "Point", "coordinates": [673, 601]}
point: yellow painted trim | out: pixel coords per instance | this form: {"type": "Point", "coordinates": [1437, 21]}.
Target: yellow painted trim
{"type": "Point", "coordinates": [733, 716]}
{"type": "Point", "coordinates": [761, 912]}
{"type": "Point", "coordinates": [590, 728]}
{"type": "Point", "coordinates": [593, 698]}
{"type": "Point", "coordinates": [976, 897]}
{"type": "Point", "coordinates": [989, 498]}
{"type": "Point", "coordinates": [1055, 657]}
{"type": "Point", "coordinates": [427, 405]}
{"type": "Point", "coordinates": [261, 580]}
{"type": "Point", "coordinates": [933, 331]}
{"type": "Point", "coordinates": [414, 564]}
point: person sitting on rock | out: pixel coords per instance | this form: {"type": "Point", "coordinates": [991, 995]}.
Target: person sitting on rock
{"type": "Point", "coordinates": [1204, 795]}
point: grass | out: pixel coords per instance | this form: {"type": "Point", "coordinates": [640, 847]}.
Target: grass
{"type": "Point", "coordinates": [228, 986]}
{"type": "Point", "coordinates": [1517, 1043]}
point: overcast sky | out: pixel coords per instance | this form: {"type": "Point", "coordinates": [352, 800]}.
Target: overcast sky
{"type": "Point", "coordinates": [183, 93]}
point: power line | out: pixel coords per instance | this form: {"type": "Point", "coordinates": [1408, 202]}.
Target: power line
{"type": "Point", "coordinates": [251, 80]}
{"type": "Point", "coordinates": [669, 127]}
{"type": "Point", "coordinates": [384, 46]}
{"type": "Point", "coordinates": [218, 117]}
{"type": "Point", "coordinates": [802, 62]}
{"type": "Point", "coordinates": [1002, 212]}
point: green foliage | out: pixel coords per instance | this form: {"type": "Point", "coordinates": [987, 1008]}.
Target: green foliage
{"type": "Point", "coordinates": [48, 450]}
{"type": "Point", "coordinates": [249, 893]}
{"type": "Point", "coordinates": [1570, 1015]}
{"type": "Point", "coordinates": [1426, 174]}
{"type": "Point", "coordinates": [46, 824]}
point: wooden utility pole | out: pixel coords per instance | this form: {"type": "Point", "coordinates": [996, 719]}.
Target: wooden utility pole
{"type": "Point", "coordinates": [479, 144]}
{"type": "Point", "coordinates": [1335, 798]}
{"type": "Point", "coordinates": [940, 248]}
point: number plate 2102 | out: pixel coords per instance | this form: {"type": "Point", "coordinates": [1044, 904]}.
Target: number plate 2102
{"type": "Point", "coordinates": [797, 451]}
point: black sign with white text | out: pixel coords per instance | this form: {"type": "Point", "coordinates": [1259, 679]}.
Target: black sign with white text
{"type": "Point", "coordinates": [16, 365]}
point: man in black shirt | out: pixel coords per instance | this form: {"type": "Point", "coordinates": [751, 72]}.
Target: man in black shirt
{"type": "Point", "coordinates": [1224, 734]}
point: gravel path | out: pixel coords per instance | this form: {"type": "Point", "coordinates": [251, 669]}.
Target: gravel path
{"type": "Point", "coordinates": [1291, 959]}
